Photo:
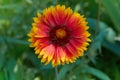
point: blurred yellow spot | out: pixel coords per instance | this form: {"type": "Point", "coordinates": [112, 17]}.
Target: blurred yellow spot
{"type": "Point", "coordinates": [60, 33]}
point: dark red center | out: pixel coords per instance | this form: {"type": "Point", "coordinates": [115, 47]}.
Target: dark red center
{"type": "Point", "coordinates": [59, 35]}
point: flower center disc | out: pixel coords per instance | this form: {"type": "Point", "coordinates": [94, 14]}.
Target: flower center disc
{"type": "Point", "coordinates": [60, 33]}
{"type": "Point", "coordinates": [59, 36]}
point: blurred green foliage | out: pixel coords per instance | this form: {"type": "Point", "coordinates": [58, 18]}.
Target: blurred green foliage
{"type": "Point", "coordinates": [18, 61]}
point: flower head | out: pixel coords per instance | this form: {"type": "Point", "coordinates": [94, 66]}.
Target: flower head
{"type": "Point", "coordinates": [59, 35]}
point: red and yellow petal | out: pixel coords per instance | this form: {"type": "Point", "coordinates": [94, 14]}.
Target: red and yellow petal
{"type": "Point", "coordinates": [47, 53]}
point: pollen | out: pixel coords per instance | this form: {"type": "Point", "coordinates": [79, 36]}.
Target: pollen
{"type": "Point", "coordinates": [60, 33]}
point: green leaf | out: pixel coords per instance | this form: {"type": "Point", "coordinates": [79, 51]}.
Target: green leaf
{"type": "Point", "coordinates": [64, 70]}
{"type": "Point", "coordinates": [18, 70]}
{"type": "Point", "coordinates": [2, 60]}
{"type": "Point", "coordinates": [92, 23]}
{"type": "Point", "coordinates": [10, 68]}
{"type": "Point", "coordinates": [116, 73]}
{"type": "Point", "coordinates": [112, 7]}
{"type": "Point", "coordinates": [97, 73]}
{"type": "Point", "coordinates": [114, 47]}
{"type": "Point", "coordinates": [1, 75]}
{"type": "Point", "coordinates": [13, 40]}
{"type": "Point", "coordinates": [110, 35]}
{"type": "Point", "coordinates": [106, 37]}
{"type": "Point", "coordinates": [5, 74]}
{"type": "Point", "coordinates": [8, 6]}
{"type": "Point", "coordinates": [2, 55]}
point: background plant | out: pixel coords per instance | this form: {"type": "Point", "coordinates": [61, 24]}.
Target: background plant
{"type": "Point", "coordinates": [101, 61]}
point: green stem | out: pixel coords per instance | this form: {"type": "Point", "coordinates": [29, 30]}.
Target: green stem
{"type": "Point", "coordinates": [56, 73]}
{"type": "Point", "coordinates": [98, 17]}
